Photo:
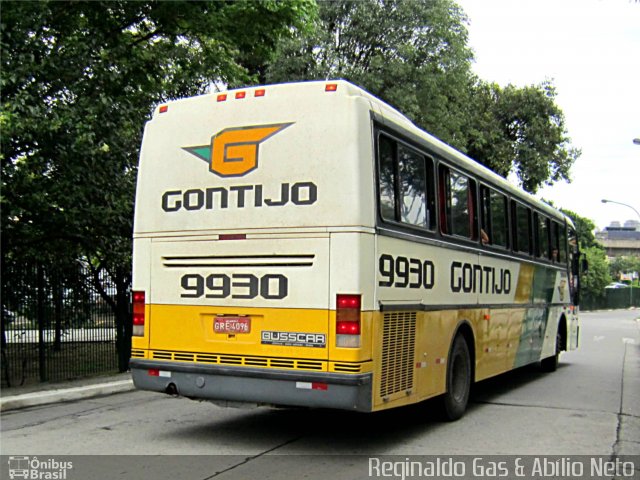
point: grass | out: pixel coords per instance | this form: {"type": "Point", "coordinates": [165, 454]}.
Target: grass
{"type": "Point", "coordinates": [21, 362]}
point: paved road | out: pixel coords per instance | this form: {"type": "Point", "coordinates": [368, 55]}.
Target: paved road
{"type": "Point", "coordinates": [590, 406]}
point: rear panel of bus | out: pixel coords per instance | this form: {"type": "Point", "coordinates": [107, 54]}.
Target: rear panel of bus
{"type": "Point", "coordinates": [253, 225]}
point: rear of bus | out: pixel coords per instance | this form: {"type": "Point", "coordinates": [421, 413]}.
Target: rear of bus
{"type": "Point", "coordinates": [254, 248]}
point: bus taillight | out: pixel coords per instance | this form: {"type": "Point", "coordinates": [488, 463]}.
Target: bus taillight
{"type": "Point", "coordinates": [348, 308]}
{"type": "Point", "coordinates": [138, 314]}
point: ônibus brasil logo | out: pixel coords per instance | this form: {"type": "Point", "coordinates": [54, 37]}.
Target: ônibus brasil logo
{"type": "Point", "coordinates": [233, 152]}
{"type": "Point", "coordinates": [34, 468]}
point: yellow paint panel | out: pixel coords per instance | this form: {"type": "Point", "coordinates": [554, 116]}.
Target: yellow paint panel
{"type": "Point", "coordinates": [525, 283]}
{"type": "Point", "coordinates": [191, 329]}
{"type": "Point", "coordinates": [143, 342]}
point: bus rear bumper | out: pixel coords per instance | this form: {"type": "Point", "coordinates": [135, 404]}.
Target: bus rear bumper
{"type": "Point", "coordinates": [255, 385]}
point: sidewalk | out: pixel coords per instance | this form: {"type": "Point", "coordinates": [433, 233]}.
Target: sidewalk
{"type": "Point", "coordinates": [43, 394]}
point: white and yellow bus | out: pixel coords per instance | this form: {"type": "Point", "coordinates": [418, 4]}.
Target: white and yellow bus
{"type": "Point", "coordinates": [305, 244]}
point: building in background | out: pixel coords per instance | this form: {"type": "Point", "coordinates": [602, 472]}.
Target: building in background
{"type": "Point", "coordinates": [621, 240]}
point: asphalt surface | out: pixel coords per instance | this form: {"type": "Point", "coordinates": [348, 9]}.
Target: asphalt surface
{"type": "Point", "coordinates": [43, 394]}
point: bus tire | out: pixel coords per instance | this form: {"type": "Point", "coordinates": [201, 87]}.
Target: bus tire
{"type": "Point", "coordinates": [550, 364]}
{"type": "Point", "coordinates": [458, 380]}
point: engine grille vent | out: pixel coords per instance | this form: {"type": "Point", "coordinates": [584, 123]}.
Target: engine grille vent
{"type": "Point", "coordinates": [398, 352]}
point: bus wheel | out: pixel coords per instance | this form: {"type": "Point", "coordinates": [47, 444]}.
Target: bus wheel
{"type": "Point", "coordinates": [550, 364]}
{"type": "Point", "coordinates": [458, 380]}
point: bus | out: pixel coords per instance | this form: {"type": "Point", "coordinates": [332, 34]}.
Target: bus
{"type": "Point", "coordinates": [305, 244]}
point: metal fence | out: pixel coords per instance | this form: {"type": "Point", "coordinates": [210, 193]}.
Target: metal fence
{"type": "Point", "coordinates": [55, 325]}
{"type": "Point", "coordinates": [612, 299]}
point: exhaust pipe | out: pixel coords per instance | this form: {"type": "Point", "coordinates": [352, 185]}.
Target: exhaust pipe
{"type": "Point", "coordinates": [172, 390]}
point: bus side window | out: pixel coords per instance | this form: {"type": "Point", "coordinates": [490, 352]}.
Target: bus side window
{"type": "Point", "coordinates": [542, 236]}
{"type": "Point", "coordinates": [554, 241]}
{"type": "Point", "coordinates": [459, 204]}
{"type": "Point", "coordinates": [562, 237]}
{"type": "Point", "coordinates": [485, 215]}
{"type": "Point", "coordinates": [499, 219]}
{"type": "Point", "coordinates": [387, 155]}
{"type": "Point", "coordinates": [405, 184]}
{"type": "Point", "coordinates": [416, 188]}
{"type": "Point", "coordinates": [495, 221]}
{"type": "Point", "coordinates": [522, 232]}
{"type": "Point", "coordinates": [443, 196]}
{"type": "Point", "coordinates": [558, 242]}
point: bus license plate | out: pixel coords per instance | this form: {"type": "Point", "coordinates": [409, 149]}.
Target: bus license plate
{"type": "Point", "coordinates": [232, 325]}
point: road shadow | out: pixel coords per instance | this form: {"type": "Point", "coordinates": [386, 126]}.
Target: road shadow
{"type": "Point", "coordinates": [328, 430]}
{"type": "Point", "coordinates": [492, 388]}
{"type": "Point", "coordinates": [336, 431]}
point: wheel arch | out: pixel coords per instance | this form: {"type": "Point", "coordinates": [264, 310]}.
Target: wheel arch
{"type": "Point", "coordinates": [564, 333]}
{"type": "Point", "coordinates": [465, 329]}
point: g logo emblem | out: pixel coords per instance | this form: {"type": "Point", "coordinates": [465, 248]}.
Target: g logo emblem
{"type": "Point", "coordinates": [233, 152]}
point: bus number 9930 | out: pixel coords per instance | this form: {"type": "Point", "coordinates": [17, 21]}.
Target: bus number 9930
{"type": "Point", "coordinates": [403, 272]}
{"type": "Point", "coordinates": [237, 285]}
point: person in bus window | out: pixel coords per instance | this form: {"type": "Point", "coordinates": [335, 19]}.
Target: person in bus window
{"type": "Point", "coordinates": [484, 238]}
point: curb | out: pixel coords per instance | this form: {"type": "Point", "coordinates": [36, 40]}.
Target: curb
{"type": "Point", "coordinates": [64, 395]}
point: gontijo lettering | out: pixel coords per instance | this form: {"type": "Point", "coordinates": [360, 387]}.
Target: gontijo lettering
{"type": "Point", "coordinates": [239, 196]}
{"type": "Point", "coordinates": [475, 278]}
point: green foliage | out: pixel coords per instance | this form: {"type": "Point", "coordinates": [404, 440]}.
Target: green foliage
{"type": "Point", "coordinates": [520, 130]}
{"type": "Point", "coordinates": [414, 55]}
{"type": "Point", "coordinates": [79, 79]}
{"type": "Point", "coordinates": [625, 264]}
{"type": "Point", "coordinates": [597, 277]}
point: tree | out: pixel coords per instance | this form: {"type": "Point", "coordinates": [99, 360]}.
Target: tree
{"type": "Point", "coordinates": [624, 264]}
{"type": "Point", "coordinates": [520, 130]}
{"type": "Point", "coordinates": [78, 81]}
{"type": "Point", "coordinates": [597, 276]}
{"type": "Point", "coordinates": [414, 55]}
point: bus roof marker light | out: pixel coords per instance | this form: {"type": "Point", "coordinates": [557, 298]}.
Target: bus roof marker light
{"type": "Point", "coordinates": [260, 92]}
{"type": "Point", "coordinates": [163, 108]}
{"type": "Point", "coordinates": [240, 95]}
{"type": "Point", "coordinates": [221, 97]}
{"type": "Point", "coordinates": [331, 87]}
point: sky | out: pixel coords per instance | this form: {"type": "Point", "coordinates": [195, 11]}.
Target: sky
{"type": "Point", "coordinates": [590, 50]}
